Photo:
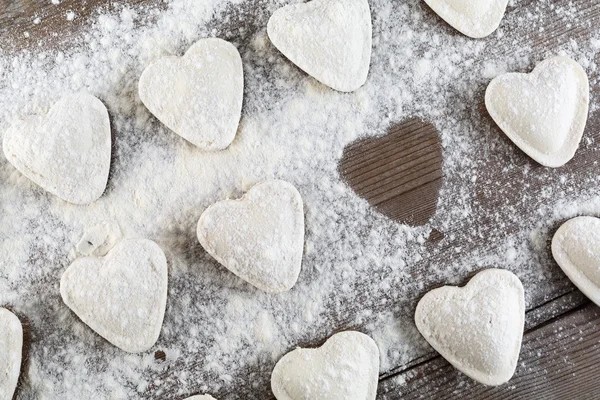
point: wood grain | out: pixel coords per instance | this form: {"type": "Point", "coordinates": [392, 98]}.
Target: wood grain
{"type": "Point", "coordinates": [558, 357]}
{"type": "Point", "coordinates": [26, 24]}
{"type": "Point", "coordinates": [558, 361]}
{"type": "Point", "coordinates": [400, 174]}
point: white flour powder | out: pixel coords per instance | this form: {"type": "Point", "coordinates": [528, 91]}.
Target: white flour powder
{"type": "Point", "coordinates": [360, 270]}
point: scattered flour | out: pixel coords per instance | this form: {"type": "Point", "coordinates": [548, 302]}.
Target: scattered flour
{"type": "Point", "coordinates": [360, 270]}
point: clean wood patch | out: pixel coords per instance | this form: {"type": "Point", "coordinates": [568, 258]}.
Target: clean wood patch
{"type": "Point", "coordinates": [400, 174]}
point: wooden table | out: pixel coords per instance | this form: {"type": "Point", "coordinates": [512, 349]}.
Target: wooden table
{"type": "Point", "coordinates": [561, 344]}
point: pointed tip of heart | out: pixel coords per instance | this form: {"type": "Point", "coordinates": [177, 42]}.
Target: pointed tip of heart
{"type": "Point", "coordinates": [478, 328]}
{"type": "Point", "coordinates": [198, 96]}
{"type": "Point", "coordinates": [473, 19]}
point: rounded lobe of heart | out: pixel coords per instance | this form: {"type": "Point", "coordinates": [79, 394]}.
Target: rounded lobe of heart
{"type": "Point", "coordinates": [260, 237]}
{"type": "Point", "coordinates": [201, 397]}
{"type": "Point", "coordinates": [475, 19]}
{"type": "Point", "coordinates": [576, 249]}
{"type": "Point", "coordinates": [345, 367]}
{"type": "Point", "coordinates": [478, 328]}
{"type": "Point", "coordinates": [198, 96]}
{"type": "Point", "coordinates": [121, 296]}
{"type": "Point", "coordinates": [11, 343]}
{"type": "Point", "coordinates": [328, 39]}
{"type": "Point", "coordinates": [544, 113]}
{"type": "Point", "coordinates": [67, 152]}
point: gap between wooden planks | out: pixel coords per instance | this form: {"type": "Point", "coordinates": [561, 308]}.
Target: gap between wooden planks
{"type": "Point", "coordinates": [545, 374]}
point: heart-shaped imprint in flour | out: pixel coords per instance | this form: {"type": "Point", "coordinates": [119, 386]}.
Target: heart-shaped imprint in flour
{"type": "Point", "coordinates": [11, 349]}
{"type": "Point", "coordinates": [345, 367]}
{"type": "Point", "coordinates": [260, 237]}
{"type": "Point", "coordinates": [475, 19]}
{"type": "Point", "coordinates": [121, 296]}
{"type": "Point", "coordinates": [477, 328]}
{"type": "Point", "coordinates": [545, 112]}
{"type": "Point", "coordinates": [198, 96]}
{"type": "Point", "coordinates": [400, 174]}
{"type": "Point", "coordinates": [576, 249]}
{"type": "Point", "coordinates": [328, 39]}
{"type": "Point", "coordinates": [67, 151]}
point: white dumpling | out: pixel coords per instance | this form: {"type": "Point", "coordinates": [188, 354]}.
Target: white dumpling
{"type": "Point", "coordinates": [475, 19]}
{"type": "Point", "coordinates": [198, 96]}
{"type": "Point", "coordinates": [67, 151]}
{"type": "Point", "coordinates": [576, 249]}
{"type": "Point", "coordinates": [121, 296]}
{"type": "Point", "coordinates": [345, 367]}
{"type": "Point", "coordinates": [477, 328]}
{"type": "Point", "coordinates": [260, 237]}
{"type": "Point", "coordinates": [328, 39]}
{"type": "Point", "coordinates": [545, 112]}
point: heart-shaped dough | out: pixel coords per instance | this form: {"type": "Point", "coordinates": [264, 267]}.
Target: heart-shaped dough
{"type": "Point", "coordinates": [198, 96]}
{"type": "Point", "coordinates": [260, 237]}
{"type": "Point", "coordinates": [576, 249]}
{"type": "Point", "coordinates": [345, 367]}
{"type": "Point", "coordinates": [11, 349]}
{"type": "Point", "coordinates": [67, 151]}
{"type": "Point", "coordinates": [475, 19]}
{"type": "Point", "coordinates": [201, 397]}
{"type": "Point", "coordinates": [328, 39]}
{"type": "Point", "coordinates": [121, 296]}
{"type": "Point", "coordinates": [545, 112]}
{"type": "Point", "coordinates": [477, 328]}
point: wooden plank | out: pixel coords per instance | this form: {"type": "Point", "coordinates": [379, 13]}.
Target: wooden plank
{"type": "Point", "coordinates": [558, 361]}
{"type": "Point", "coordinates": [552, 295]}
{"type": "Point", "coordinates": [40, 23]}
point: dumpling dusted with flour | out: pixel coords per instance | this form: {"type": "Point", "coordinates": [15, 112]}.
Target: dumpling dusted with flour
{"type": "Point", "coordinates": [346, 367]}
{"type": "Point", "coordinates": [545, 112]}
{"type": "Point", "coordinates": [477, 328]}
{"type": "Point", "coordinates": [198, 96]}
{"type": "Point", "coordinates": [67, 151]}
{"type": "Point", "coordinates": [260, 237]}
{"type": "Point", "coordinates": [328, 39]}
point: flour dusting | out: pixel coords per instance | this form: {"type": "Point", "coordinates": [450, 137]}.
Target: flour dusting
{"type": "Point", "coordinates": [361, 271]}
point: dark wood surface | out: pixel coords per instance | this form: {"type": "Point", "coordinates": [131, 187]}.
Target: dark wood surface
{"type": "Point", "coordinates": [400, 173]}
{"type": "Point", "coordinates": [561, 344]}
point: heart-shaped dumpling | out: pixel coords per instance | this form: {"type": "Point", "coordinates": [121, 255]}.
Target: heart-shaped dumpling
{"type": "Point", "coordinates": [11, 349]}
{"type": "Point", "coordinates": [345, 367]}
{"type": "Point", "coordinates": [198, 96]}
{"type": "Point", "coordinates": [67, 151]}
{"type": "Point", "coordinates": [260, 237]}
{"type": "Point", "coordinates": [545, 112]}
{"type": "Point", "coordinates": [328, 39]}
{"type": "Point", "coordinates": [576, 249]}
{"type": "Point", "coordinates": [121, 296]}
{"type": "Point", "coordinates": [477, 328]}
{"type": "Point", "coordinates": [475, 19]}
